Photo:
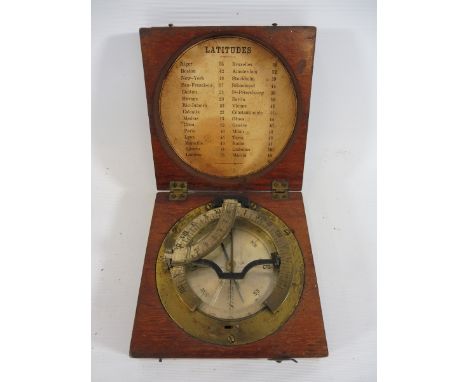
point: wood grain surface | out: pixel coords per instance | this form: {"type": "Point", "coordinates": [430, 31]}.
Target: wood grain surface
{"type": "Point", "coordinates": [156, 335]}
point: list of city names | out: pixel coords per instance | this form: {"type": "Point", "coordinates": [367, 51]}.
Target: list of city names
{"type": "Point", "coordinates": [228, 107]}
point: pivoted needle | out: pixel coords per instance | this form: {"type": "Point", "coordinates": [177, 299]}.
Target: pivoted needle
{"type": "Point", "coordinates": [217, 292]}
{"type": "Point", "coordinates": [224, 251]}
{"type": "Point", "coordinates": [236, 282]}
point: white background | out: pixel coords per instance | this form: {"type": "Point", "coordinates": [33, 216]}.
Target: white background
{"type": "Point", "coordinates": [339, 184]}
{"type": "Point", "coordinates": [45, 195]}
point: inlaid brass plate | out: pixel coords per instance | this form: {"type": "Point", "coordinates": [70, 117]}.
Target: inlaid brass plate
{"type": "Point", "coordinates": [228, 106]}
{"type": "Point", "coordinates": [258, 280]}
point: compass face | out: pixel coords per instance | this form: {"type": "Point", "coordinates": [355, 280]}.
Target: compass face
{"type": "Point", "coordinates": [230, 274]}
{"type": "Point", "coordinates": [235, 298]}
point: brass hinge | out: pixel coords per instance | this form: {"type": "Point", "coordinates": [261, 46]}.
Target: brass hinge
{"type": "Point", "coordinates": [280, 189]}
{"type": "Point", "coordinates": [178, 190]}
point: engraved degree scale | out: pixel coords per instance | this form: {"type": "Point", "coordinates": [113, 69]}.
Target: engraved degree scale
{"type": "Point", "coordinates": [228, 270]}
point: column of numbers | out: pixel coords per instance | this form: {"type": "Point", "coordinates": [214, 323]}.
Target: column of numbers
{"type": "Point", "coordinates": [272, 113]}
{"type": "Point", "coordinates": [221, 104]}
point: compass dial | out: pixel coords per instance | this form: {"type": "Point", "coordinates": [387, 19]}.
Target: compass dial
{"type": "Point", "coordinates": [240, 297]}
{"type": "Point", "coordinates": [230, 274]}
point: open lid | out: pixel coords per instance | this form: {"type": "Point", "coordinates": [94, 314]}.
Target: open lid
{"type": "Point", "coordinates": [228, 106]}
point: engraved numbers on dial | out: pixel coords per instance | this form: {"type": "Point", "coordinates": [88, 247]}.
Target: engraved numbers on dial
{"type": "Point", "coordinates": [230, 289]}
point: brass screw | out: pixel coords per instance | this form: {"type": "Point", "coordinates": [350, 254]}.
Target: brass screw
{"type": "Point", "coordinates": [231, 339]}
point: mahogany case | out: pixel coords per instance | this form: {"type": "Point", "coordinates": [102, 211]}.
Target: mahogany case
{"type": "Point", "coordinates": [154, 333]}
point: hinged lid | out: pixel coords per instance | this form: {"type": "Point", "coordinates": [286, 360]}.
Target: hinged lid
{"type": "Point", "coordinates": [178, 190]}
{"type": "Point", "coordinates": [280, 189]}
{"type": "Point", "coordinates": [228, 106]}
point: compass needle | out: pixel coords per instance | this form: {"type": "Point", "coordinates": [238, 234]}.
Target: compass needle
{"type": "Point", "coordinates": [214, 299]}
{"type": "Point", "coordinates": [231, 269]}
{"type": "Point", "coordinates": [236, 283]}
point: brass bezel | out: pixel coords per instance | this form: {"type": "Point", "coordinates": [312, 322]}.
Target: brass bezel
{"type": "Point", "coordinates": [228, 332]}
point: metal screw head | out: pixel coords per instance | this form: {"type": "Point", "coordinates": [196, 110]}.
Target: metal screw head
{"type": "Point", "coordinates": [231, 339]}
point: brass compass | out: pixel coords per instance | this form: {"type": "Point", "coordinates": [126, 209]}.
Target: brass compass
{"type": "Point", "coordinates": [230, 272]}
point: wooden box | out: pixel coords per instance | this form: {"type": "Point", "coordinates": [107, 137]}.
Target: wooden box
{"type": "Point", "coordinates": [276, 186]}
